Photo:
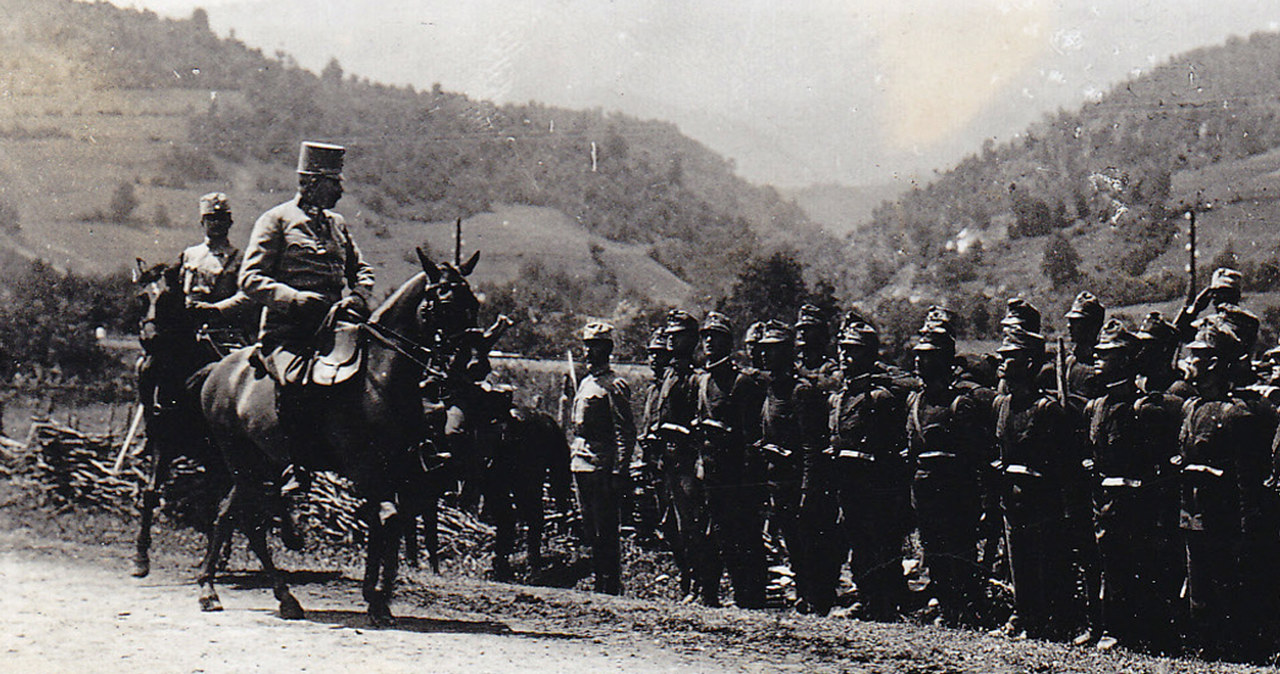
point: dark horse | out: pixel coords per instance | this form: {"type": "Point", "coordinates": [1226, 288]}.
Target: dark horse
{"type": "Point", "coordinates": [372, 431]}
{"type": "Point", "coordinates": [171, 354]}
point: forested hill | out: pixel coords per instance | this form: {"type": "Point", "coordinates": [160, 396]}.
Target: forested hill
{"type": "Point", "coordinates": [415, 156]}
{"type": "Point", "coordinates": [1096, 197]}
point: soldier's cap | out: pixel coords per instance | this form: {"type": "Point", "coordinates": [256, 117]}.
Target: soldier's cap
{"type": "Point", "coordinates": [810, 315]}
{"type": "Point", "coordinates": [597, 331]}
{"type": "Point", "coordinates": [1018, 339]}
{"type": "Point", "coordinates": [1226, 278]}
{"type": "Point", "coordinates": [1115, 335]}
{"type": "Point", "coordinates": [657, 340]}
{"type": "Point", "coordinates": [715, 321]}
{"type": "Point", "coordinates": [1213, 335]}
{"type": "Point", "coordinates": [754, 332]}
{"type": "Point", "coordinates": [1020, 312]}
{"type": "Point", "coordinates": [859, 333]}
{"type": "Point", "coordinates": [935, 339]}
{"type": "Point", "coordinates": [679, 321]}
{"type": "Point", "coordinates": [938, 318]}
{"type": "Point", "coordinates": [1086, 306]}
{"type": "Point", "coordinates": [214, 203]}
{"type": "Point", "coordinates": [1155, 328]}
{"type": "Point", "coordinates": [1241, 322]}
{"type": "Point", "coordinates": [777, 332]}
{"type": "Point", "coordinates": [321, 159]}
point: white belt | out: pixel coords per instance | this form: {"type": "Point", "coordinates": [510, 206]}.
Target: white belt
{"type": "Point", "coordinates": [675, 428]}
{"type": "Point", "coordinates": [855, 454]}
{"type": "Point", "coordinates": [716, 424]}
{"type": "Point", "coordinates": [1201, 468]}
{"type": "Point", "coordinates": [938, 455]}
{"type": "Point", "coordinates": [1017, 469]}
{"type": "Point", "coordinates": [1120, 482]}
{"type": "Point", "coordinates": [776, 449]}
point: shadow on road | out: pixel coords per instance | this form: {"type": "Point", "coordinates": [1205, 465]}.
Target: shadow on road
{"type": "Point", "coordinates": [360, 620]}
{"type": "Point", "coordinates": [256, 580]}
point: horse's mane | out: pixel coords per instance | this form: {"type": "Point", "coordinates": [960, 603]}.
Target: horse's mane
{"type": "Point", "coordinates": [402, 305]}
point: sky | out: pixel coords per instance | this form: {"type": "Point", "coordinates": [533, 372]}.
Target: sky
{"type": "Point", "coordinates": [796, 92]}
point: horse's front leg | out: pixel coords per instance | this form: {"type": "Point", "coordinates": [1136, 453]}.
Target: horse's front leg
{"type": "Point", "coordinates": [258, 521]}
{"type": "Point", "coordinates": [219, 535]}
{"type": "Point", "coordinates": [156, 477]}
{"type": "Point", "coordinates": [382, 560]}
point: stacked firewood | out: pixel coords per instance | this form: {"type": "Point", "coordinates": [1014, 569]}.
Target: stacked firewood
{"type": "Point", "coordinates": [72, 468]}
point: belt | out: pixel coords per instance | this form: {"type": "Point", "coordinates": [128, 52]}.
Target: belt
{"type": "Point", "coordinates": [777, 450]}
{"type": "Point", "coordinates": [714, 424]}
{"type": "Point", "coordinates": [1201, 468]}
{"type": "Point", "coordinates": [675, 428]}
{"type": "Point", "coordinates": [1120, 482]}
{"type": "Point", "coordinates": [937, 455]}
{"type": "Point", "coordinates": [855, 454]}
{"type": "Point", "coordinates": [1018, 469]}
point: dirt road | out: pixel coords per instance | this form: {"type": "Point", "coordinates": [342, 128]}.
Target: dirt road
{"type": "Point", "coordinates": [64, 611]}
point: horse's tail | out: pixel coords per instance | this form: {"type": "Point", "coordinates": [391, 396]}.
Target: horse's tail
{"type": "Point", "coordinates": [547, 439]}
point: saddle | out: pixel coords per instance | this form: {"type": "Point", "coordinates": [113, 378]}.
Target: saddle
{"type": "Point", "coordinates": [336, 359]}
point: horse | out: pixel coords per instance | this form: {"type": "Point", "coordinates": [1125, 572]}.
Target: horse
{"type": "Point", "coordinates": [372, 429]}
{"type": "Point", "coordinates": [171, 354]}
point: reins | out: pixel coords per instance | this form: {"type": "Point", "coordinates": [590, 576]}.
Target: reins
{"type": "Point", "coordinates": [400, 344]}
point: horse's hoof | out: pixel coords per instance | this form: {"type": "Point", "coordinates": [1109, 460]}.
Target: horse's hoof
{"type": "Point", "coordinates": [210, 603]}
{"type": "Point", "coordinates": [290, 609]}
{"type": "Point", "coordinates": [382, 618]}
{"type": "Point", "coordinates": [141, 567]}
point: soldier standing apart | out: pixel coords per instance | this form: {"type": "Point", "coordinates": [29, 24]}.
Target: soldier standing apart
{"type": "Point", "coordinates": [1034, 437]}
{"type": "Point", "coordinates": [867, 423]}
{"type": "Point", "coordinates": [299, 261]}
{"type": "Point", "coordinates": [603, 437]}
{"type": "Point", "coordinates": [949, 448]}
{"type": "Point", "coordinates": [1222, 461]}
{"type": "Point", "coordinates": [209, 274]}
{"type": "Point", "coordinates": [686, 521]}
{"type": "Point", "coordinates": [729, 401]}
{"type": "Point", "coordinates": [1129, 470]}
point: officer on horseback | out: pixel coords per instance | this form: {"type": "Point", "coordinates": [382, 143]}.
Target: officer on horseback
{"type": "Point", "coordinates": [299, 261]}
{"type": "Point", "coordinates": [208, 273]}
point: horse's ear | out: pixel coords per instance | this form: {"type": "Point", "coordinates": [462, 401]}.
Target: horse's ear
{"type": "Point", "coordinates": [139, 267]}
{"type": "Point", "coordinates": [470, 265]}
{"type": "Point", "coordinates": [432, 271]}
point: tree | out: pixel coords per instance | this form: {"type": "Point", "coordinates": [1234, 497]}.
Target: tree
{"type": "Point", "coordinates": [123, 203]}
{"type": "Point", "coordinates": [332, 73]}
{"type": "Point", "coordinates": [200, 19]}
{"type": "Point", "coordinates": [771, 287]}
{"type": "Point", "coordinates": [1061, 262]}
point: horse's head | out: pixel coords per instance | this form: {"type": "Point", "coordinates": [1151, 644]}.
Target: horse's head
{"type": "Point", "coordinates": [159, 294]}
{"type": "Point", "coordinates": [448, 305]}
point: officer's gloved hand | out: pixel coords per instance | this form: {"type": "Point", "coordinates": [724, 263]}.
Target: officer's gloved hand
{"type": "Point", "coordinates": [353, 308]}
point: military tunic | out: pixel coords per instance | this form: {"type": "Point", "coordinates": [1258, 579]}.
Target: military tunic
{"type": "Point", "coordinates": [210, 275]}
{"type": "Point", "coordinates": [604, 436]}
{"type": "Point", "coordinates": [792, 426]}
{"type": "Point", "coordinates": [686, 525]}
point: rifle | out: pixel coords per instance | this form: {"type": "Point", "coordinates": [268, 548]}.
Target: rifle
{"type": "Point", "coordinates": [573, 375]}
{"type": "Point", "coordinates": [1060, 374]}
{"type": "Point", "coordinates": [128, 440]}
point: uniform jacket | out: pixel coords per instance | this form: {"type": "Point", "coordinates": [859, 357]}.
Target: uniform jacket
{"type": "Point", "coordinates": [1223, 464]}
{"type": "Point", "coordinates": [677, 405]}
{"type": "Point", "coordinates": [291, 251]}
{"type": "Point", "coordinates": [604, 432]}
{"type": "Point", "coordinates": [211, 275]}
{"type": "Point", "coordinates": [867, 423]}
{"type": "Point", "coordinates": [1132, 438]}
{"type": "Point", "coordinates": [949, 434]}
{"type": "Point", "coordinates": [1038, 455]}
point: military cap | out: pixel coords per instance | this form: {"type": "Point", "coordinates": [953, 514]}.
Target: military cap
{"type": "Point", "coordinates": [1212, 335]}
{"type": "Point", "coordinates": [597, 331]}
{"type": "Point", "coordinates": [1116, 336]}
{"type": "Point", "coordinates": [679, 321]}
{"type": "Point", "coordinates": [938, 317]}
{"type": "Point", "coordinates": [776, 332]}
{"type": "Point", "coordinates": [1155, 328]}
{"type": "Point", "coordinates": [1086, 306]}
{"type": "Point", "coordinates": [321, 159]}
{"type": "Point", "coordinates": [935, 339]}
{"type": "Point", "coordinates": [859, 333]}
{"type": "Point", "coordinates": [1021, 313]}
{"type": "Point", "coordinates": [1242, 323]}
{"type": "Point", "coordinates": [715, 321]}
{"type": "Point", "coordinates": [214, 203]}
{"type": "Point", "coordinates": [1226, 278]}
{"type": "Point", "coordinates": [754, 333]}
{"type": "Point", "coordinates": [657, 341]}
{"type": "Point", "coordinates": [1017, 338]}
{"type": "Point", "coordinates": [810, 314]}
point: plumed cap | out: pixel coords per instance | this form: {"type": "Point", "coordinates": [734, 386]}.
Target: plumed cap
{"type": "Point", "coordinates": [1018, 339]}
{"type": "Point", "coordinates": [597, 331]}
{"type": "Point", "coordinates": [1086, 306]}
{"type": "Point", "coordinates": [1116, 336]}
{"type": "Point", "coordinates": [1020, 312]}
{"type": "Point", "coordinates": [1155, 328]}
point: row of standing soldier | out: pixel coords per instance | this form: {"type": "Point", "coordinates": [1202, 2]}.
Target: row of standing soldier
{"type": "Point", "coordinates": [1121, 498]}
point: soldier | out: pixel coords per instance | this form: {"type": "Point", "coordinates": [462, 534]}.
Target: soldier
{"type": "Point", "coordinates": [299, 261]}
{"type": "Point", "coordinates": [603, 437]}
{"type": "Point", "coordinates": [949, 450]}
{"type": "Point", "coordinates": [1157, 349]}
{"type": "Point", "coordinates": [751, 342]}
{"type": "Point", "coordinates": [1084, 321]}
{"type": "Point", "coordinates": [1221, 459]}
{"type": "Point", "coordinates": [208, 272]}
{"type": "Point", "coordinates": [813, 361]}
{"type": "Point", "coordinates": [1130, 471]}
{"type": "Point", "coordinates": [867, 424]}
{"type": "Point", "coordinates": [792, 425]}
{"type": "Point", "coordinates": [686, 523]}
{"type": "Point", "coordinates": [649, 504]}
{"type": "Point", "coordinates": [729, 401]}
{"type": "Point", "coordinates": [1034, 437]}
{"type": "Point", "coordinates": [1224, 287]}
